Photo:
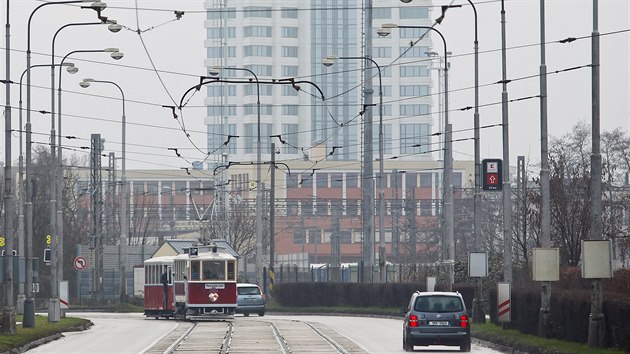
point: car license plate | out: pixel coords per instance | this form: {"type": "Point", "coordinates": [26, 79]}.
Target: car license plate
{"type": "Point", "coordinates": [438, 323]}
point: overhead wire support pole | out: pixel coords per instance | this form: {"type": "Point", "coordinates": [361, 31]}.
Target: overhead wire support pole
{"type": "Point", "coordinates": [448, 234]}
{"type": "Point", "coordinates": [544, 315]}
{"type": "Point", "coordinates": [328, 61]}
{"type": "Point", "coordinates": [8, 312]}
{"type": "Point", "coordinates": [597, 319]}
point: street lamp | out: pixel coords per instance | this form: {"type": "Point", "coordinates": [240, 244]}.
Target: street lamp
{"type": "Point", "coordinates": [448, 160]}
{"type": "Point", "coordinates": [56, 188]}
{"type": "Point", "coordinates": [113, 27]}
{"type": "Point", "coordinates": [216, 70]}
{"type": "Point", "coordinates": [21, 195]}
{"type": "Point", "coordinates": [329, 61]}
{"type": "Point", "coordinates": [124, 227]}
{"type": "Point", "coordinates": [29, 303]}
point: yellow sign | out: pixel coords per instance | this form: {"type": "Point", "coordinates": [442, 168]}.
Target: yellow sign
{"type": "Point", "coordinates": [48, 239]}
{"type": "Point", "coordinates": [1, 241]}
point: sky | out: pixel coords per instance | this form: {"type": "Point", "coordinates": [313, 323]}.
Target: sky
{"type": "Point", "coordinates": [164, 56]}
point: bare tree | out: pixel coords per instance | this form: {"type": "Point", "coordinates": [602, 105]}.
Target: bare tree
{"type": "Point", "coordinates": [144, 221]}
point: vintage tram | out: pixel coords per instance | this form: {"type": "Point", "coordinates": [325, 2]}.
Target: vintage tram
{"type": "Point", "coordinates": [199, 284]}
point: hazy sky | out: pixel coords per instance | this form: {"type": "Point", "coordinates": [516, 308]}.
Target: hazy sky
{"type": "Point", "coordinates": [175, 48]}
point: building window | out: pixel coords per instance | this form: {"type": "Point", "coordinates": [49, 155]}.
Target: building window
{"type": "Point", "coordinates": [257, 11]}
{"type": "Point", "coordinates": [290, 136]}
{"type": "Point", "coordinates": [351, 180]}
{"type": "Point", "coordinates": [252, 90]}
{"type": "Point", "coordinates": [412, 32]}
{"type": "Point", "coordinates": [407, 110]}
{"type": "Point", "coordinates": [336, 180]}
{"type": "Point", "coordinates": [287, 12]}
{"type": "Point", "coordinates": [382, 13]}
{"type": "Point", "coordinates": [415, 51]}
{"type": "Point", "coordinates": [289, 91]}
{"type": "Point", "coordinates": [387, 91]}
{"type": "Point", "coordinates": [307, 207]}
{"type": "Point", "coordinates": [413, 12]}
{"type": "Point", "coordinates": [387, 139]}
{"type": "Point", "coordinates": [292, 207]}
{"type": "Point", "coordinates": [218, 135]}
{"type": "Point", "coordinates": [352, 207]}
{"type": "Point", "coordinates": [219, 52]}
{"type": "Point", "coordinates": [230, 12]}
{"type": "Point", "coordinates": [257, 31]}
{"type": "Point", "coordinates": [289, 110]}
{"type": "Point", "coordinates": [298, 236]}
{"type": "Point", "coordinates": [289, 51]}
{"type": "Point", "coordinates": [382, 52]}
{"type": "Point", "coordinates": [414, 71]}
{"type": "Point", "coordinates": [289, 32]}
{"type": "Point", "coordinates": [261, 70]}
{"type": "Point", "coordinates": [257, 50]}
{"type": "Point", "coordinates": [220, 90]}
{"type": "Point", "coordinates": [414, 138]}
{"type": "Point", "coordinates": [411, 180]}
{"type": "Point", "coordinates": [222, 111]}
{"type": "Point", "coordinates": [306, 180]}
{"type": "Point", "coordinates": [414, 90]}
{"type": "Point", "coordinates": [251, 137]}
{"type": "Point", "coordinates": [252, 109]}
{"type": "Point", "coordinates": [322, 180]}
{"type": "Point", "coordinates": [457, 179]}
{"type": "Point", "coordinates": [289, 70]}
{"type": "Point", "coordinates": [221, 32]}
{"type": "Point", "coordinates": [425, 180]}
{"type": "Point", "coordinates": [322, 207]}
{"type": "Point", "coordinates": [345, 237]}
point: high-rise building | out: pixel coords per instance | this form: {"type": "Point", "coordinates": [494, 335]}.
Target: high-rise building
{"type": "Point", "coordinates": [289, 39]}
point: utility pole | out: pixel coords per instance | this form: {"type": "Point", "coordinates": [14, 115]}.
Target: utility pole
{"type": "Point", "coordinates": [367, 182]}
{"type": "Point", "coordinates": [544, 316]}
{"type": "Point", "coordinates": [507, 186]}
{"type": "Point", "coordinates": [272, 218]}
{"type": "Point", "coordinates": [597, 319]}
{"type": "Point", "coordinates": [8, 312]}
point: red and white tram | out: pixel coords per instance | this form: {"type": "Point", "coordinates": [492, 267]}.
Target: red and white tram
{"type": "Point", "coordinates": [158, 287]}
{"type": "Point", "coordinates": [199, 284]}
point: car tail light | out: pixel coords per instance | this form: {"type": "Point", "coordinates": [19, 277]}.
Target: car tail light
{"type": "Point", "coordinates": [413, 321]}
{"type": "Point", "coordinates": [463, 321]}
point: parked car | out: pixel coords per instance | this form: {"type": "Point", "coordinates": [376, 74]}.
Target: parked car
{"type": "Point", "coordinates": [436, 318]}
{"type": "Point", "coordinates": [249, 299]}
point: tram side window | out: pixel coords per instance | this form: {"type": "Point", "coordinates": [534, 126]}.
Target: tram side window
{"type": "Point", "coordinates": [213, 270]}
{"type": "Point", "coordinates": [194, 270]}
{"type": "Point", "coordinates": [230, 271]}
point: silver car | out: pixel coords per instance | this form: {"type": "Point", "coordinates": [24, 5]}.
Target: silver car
{"type": "Point", "coordinates": [250, 299]}
{"type": "Point", "coordinates": [436, 318]}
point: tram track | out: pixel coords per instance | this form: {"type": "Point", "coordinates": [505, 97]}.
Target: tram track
{"type": "Point", "coordinates": [249, 335]}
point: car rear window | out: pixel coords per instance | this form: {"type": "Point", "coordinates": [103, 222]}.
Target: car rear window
{"type": "Point", "coordinates": [248, 290]}
{"type": "Point", "coordinates": [438, 304]}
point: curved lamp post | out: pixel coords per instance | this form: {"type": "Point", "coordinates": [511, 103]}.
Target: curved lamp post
{"type": "Point", "coordinates": [56, 180]}
{"type": "Point", "coordinates": [29, 303]}
{"type": "Point", "coordinates": [448, 161]}
{"type": "Point", "coordinates": [124, 226]}
{"type": "Point", "coordinates": [21, 195]}
{"type": "Point", "coordinates": [329, 61]}
{"type": "Point", "coordinates": [215, 70]}
{"type": "Point", "coordinates": [113, 27]}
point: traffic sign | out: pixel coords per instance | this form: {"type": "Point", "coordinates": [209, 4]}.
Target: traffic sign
{"type": "Point", "coordinates": [80, 263]}
{"type": "Point", "coordinates": [492, 174]}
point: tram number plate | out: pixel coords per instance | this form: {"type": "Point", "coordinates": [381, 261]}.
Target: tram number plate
{"type": "Point", "coordinates": [215, 286]}
{"type": "Point", "coordinates": [438, 323]}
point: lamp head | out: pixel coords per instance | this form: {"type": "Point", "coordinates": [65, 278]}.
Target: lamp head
{"type": "Point", "coordinates": [113, 26]}
{"type": "Point", "coordinates": [405, 1]}
{"type": "Point", "coordinates": [117, 55]}
{"type": "Point", "coordinates": [215, 70]}
{"type": "Point", "coordinates": [72, 69]}
{"type": "Point", "coordinates": [383, 31]}
{"type": "Point", "coordinates": [329, 60]}
{"type": "Point", "coordinates": [98, 5]}
{"type": "Point", "coordinates": [84, 84]}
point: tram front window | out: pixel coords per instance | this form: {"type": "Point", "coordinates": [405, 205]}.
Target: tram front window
{"type": "Point", "coordinates": [213, 270]}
